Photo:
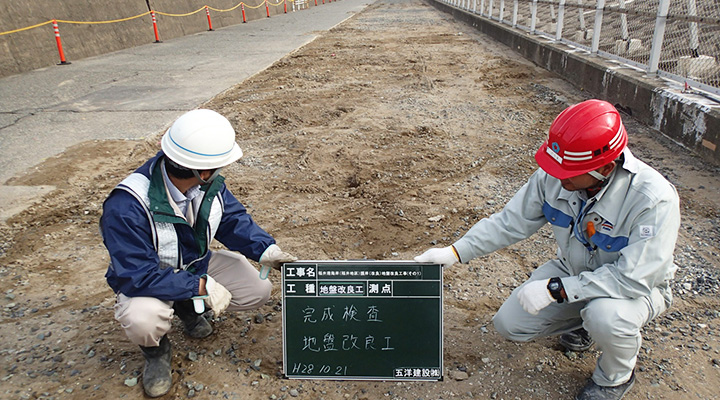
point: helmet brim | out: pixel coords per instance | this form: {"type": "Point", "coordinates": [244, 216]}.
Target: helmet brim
{"type": "Point", "coordinates": [193, 160]}
{"type": "Point", "coordinates": [551, 163]}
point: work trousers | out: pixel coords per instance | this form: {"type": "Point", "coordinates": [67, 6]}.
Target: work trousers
{"type": "Point", "coordinates": [147, 319]}
{"type": "Point", "coordinates": [614, 324]}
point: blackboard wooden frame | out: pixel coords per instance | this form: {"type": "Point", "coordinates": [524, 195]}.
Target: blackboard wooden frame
{"type": "Point", "coordinates": [362, 320]}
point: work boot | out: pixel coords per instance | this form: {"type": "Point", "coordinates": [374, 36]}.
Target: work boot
{"type": "Point", "coordinates": [196, 326]}
{"type": "Point", "coordinates": [578, 340]}
{"type": "Point", "coordinates": [593, 391]}
{"type": "Point", "coordinates": [157, 374]}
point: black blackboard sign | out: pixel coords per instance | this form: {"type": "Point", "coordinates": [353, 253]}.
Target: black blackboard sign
{"type": "Point", "coordinates": [362, 320]}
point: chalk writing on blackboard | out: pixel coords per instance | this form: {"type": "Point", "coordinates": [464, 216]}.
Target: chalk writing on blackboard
{"type": "Point", "coordinates": [362, 320]}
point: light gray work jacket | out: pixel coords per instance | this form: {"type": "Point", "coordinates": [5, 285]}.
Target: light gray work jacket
{"type": "Point", "coordinates": [636, 218]}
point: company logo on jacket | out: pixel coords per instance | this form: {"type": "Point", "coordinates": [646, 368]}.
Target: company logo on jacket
{"type": "Point", "coordinates": [606, 226]}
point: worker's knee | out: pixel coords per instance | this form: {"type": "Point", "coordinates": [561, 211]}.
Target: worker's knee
{"type": "Point", "coordinates": [597, 320]}
{"type": "Point", "coordinates": [251, 299]}
{"type": "Point", "coordinates": [146, 330]}
{"type": "Point", "coordinates": [261, 295]}
{"type": "Point", "coordinates": [508, 328]}
{"type": "Point", "coordinates": [144, 319]}
{"type": "Point", "coordinates": [604, 319]}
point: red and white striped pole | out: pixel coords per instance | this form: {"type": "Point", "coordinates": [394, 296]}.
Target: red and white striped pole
{"type": "Point", "coordinates": [267, 8]}
{"type": "Point", "coordinates": [207, 11]}
{"type": "Point", "coordinates": [59, 43]}
{"type": "Point", "coordinates": [315, 3]}
{"type": "Point", "coordinates": [285, 6]}
{"type": "Point", "coordinates": [242, 7]}
{"type": "Point", "coordinates": [154, 21]}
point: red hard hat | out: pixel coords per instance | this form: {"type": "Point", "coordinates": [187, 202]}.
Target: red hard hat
{"type": "Point", "coordinates": [584, 137]}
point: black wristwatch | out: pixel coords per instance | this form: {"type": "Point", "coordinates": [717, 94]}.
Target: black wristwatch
{"type": "Point", "coordinates": [555, 288]}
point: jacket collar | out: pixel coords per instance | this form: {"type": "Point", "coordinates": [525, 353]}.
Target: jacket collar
{"type": "Point", "coordinates": [163, 211]}
{"type": "Point", "coordinates": [160, 206]}
{"type": "Point", "coordinates": [616, 187]}
{"type": "Point", "coordinates": [631, 163]}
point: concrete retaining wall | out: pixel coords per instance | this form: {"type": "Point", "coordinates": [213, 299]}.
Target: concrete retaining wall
{"type": "Point", "coordinates": [691, 120]}
{"type": "Point", "coordinates": [27, 50]}
{"type": "Point", "coordinates": [36, 48]}
{"type": "Point", "coordinates": [171, 27]}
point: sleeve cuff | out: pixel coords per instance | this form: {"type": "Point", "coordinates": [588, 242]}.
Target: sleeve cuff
{"type": "Point", "coordinates": [573, 290]}
{"type": "Point", "coordinates": [196, 291]}
{"type": "Point", "coordinates": [462, 251]}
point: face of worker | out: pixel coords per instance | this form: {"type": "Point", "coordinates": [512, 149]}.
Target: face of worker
{"type": "Point", "coordinates": [580, 182]}
{"type": "Point", "coordinates": [586, 181]}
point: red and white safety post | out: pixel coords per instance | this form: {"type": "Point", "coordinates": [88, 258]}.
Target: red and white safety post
{"type": "Point", "coordinates": [242, 7]}
{"type": "Point", "coordinates": [155, 28]}
{"type": "Point", "coordinates": [59, 43]}
{"type": "Point", "coordinates": [267, 8]}
{"type": "Point", "coordinates": [207, 11]}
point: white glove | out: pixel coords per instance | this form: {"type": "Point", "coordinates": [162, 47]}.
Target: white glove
{"type": "Point", "coordinates": [444, 256]}
{"type": "Point", "coordinates": [218, 297]}
{"type": "Point", "coordinates": [535, 296]}
{"type": "Point", "coordinates": [273, 257]}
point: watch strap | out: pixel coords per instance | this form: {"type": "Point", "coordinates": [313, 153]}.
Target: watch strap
{"type": "Point", "coordinates": [555, 288]}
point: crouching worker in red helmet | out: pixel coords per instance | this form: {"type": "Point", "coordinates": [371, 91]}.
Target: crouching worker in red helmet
{"type": "Point", "coordinates": [615, 221]}
{"type": "Point", "coordinates": [158, 224]}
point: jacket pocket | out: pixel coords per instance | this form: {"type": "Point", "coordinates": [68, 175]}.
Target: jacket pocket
{"type": "Point", "coordinates": [611, 244]}
{"type": "Point", "coordinates": [556, 217]}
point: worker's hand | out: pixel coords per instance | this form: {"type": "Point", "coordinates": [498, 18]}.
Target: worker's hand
{"type": "Point", "coordinates": [535, 296]}
{"type": "Point", "coordinates": [218, 298]}
{"type": "Point", "coordinates": [445, 256]}
{"type": "Point", "coordinates": [273, 257]}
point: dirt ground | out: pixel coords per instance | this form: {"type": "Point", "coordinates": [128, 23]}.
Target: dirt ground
{"type": "Point", "coordinates": [392, 133]}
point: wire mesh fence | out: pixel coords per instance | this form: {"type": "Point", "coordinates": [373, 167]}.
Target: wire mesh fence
{"type": "Point", "coordinates": [692, 38]}
{"type": "Point", "coordinates": [678, 39]}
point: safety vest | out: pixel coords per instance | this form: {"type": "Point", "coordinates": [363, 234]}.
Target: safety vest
{"type": "Point", "coordinates": [208, 209]}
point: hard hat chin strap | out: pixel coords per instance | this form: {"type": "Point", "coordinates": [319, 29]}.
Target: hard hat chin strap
{"type": "Point", "coordinates": [208, 180]}
{"type": "Point", "coordinates": [597, 175]}
{"type": "Point", "coordinates": [600, 177]}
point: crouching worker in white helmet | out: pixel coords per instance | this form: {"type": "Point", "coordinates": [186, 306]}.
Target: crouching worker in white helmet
{"type": "Point", "coordinates": [157, 225]}
{"type": "Point", "coordinates": [615, 221]}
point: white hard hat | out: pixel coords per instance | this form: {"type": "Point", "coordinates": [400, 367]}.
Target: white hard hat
{"type": "Point", "coordinates": [200, 140]}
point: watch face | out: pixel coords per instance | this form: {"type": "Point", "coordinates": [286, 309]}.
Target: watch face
{"type": "Point", "coordinates": [554, 286]}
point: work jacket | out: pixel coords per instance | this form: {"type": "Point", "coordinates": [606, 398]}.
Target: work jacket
{"type": "Point", "coordinates": [618, 243]}
{"type": "Point", "coordinates": [154, 250]}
